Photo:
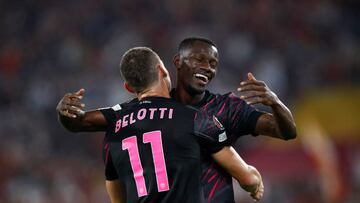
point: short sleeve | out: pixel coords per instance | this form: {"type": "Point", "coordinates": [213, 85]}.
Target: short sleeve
{"type": "Point", "coordinates": [242, 117]}
{"type": "Point", "coordinates": [110, 171]}
{"type": "Point", "coordinates": [109, 112]}
{"type": "Point", "coordinates": [209, 131]}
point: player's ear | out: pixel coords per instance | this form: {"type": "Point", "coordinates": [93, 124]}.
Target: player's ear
{"type": "Point", "coordinates": [176, 61]}
{"type": "Point", "coordinates": [164, 75]}
{"type": "Point", "coordinates": [128, 88]}
{"type": "Point", "coordinates": [162, 70]}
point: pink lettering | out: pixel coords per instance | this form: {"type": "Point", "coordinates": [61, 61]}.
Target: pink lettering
{"type": "Point", "coordinates": [125, 122]}
{"type": "Point", "coordinates": [152, 110]}
{"type": "Point", "coordinates": [171, 113]}
{"type": "Point", "coordinates": [118, 126]}
{"type": "Point", "coordinates": [154, 138]}
{"type": "Point", "coordinates": [162, 112]}
{"type": "Point", "coordinates": [132, 120]}
{"type": "Point", "coordinates": [141, 114]}
{"type": "Point", "coordinates": [130, 144]}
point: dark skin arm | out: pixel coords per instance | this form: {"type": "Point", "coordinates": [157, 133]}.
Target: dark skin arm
{"type": "Point", "coordinates": [72, 116]}
{"type": "Point", "coordinates": [279, 124]}
{"type": "Point", "coordinates": [247, 176]}
{"type": "Point", "coordinates": [116, 191]}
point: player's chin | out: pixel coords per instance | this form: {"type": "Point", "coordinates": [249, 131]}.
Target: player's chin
{"type": "Point", "coordinates": [198, 88]}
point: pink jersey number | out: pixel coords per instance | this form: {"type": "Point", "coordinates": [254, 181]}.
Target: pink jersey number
{"type": "Point", "coordinates": [130, 144]}
{"type": "Point", "coordinates": [154, 138]}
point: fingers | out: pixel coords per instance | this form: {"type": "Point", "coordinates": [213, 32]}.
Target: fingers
{"type": "Point", "coordinates": [67, 114]}
{"type": "Point", "coordinates": [250, 94]}
{"type": "Point", "coordinates": [70, 108]}
{"type": "Point", "coordinates": [251, 87]}
{"type": "Point", "coordinates": [252, 82]}
{"type": "Point", "coordinates": [256, 100]}
{"type": "Point", "coordinates": [73, 102]}
{"type": "Point", "coordinates": [255, 97]}
{"type": "Point", "coordinates": [80, 92]}
{"type": "Point", "coordinates": [259, 193]}
{"type": "Point", "coordinates": [254, 91]}
{"type": "Point", "coordinates": [251, 76]}
{"type": "Point", "coordinates": [253, 94]}
{"type": "Point", "coordinates": [70, 111]}
{"type": "Point", "coordinates": [70, 105]}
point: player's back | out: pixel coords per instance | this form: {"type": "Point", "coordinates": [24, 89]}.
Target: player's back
{"type": "Point", "coordinates": [152, 148]}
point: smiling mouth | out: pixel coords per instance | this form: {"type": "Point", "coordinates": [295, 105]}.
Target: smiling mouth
{"type": "Point", "coordinates": [202, 77]}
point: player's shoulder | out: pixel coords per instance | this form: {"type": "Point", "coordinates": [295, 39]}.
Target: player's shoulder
{"type": "Point", "coordinates": [220, 98]}
{"type": "Point", "coordinates": [116, 107]}
{"type": "Point", "coordinates": [129, 103]}
{"type": "Point", "coordinates": [156, 101]}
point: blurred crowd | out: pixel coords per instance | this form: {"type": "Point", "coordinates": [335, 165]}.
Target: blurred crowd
{"type": "Point", "coordinates": [48, 48]}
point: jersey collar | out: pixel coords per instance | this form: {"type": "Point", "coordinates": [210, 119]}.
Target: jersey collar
{"type": "Point", "coordinates": [203, 101]}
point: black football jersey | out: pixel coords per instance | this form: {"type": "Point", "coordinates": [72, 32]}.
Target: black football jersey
{"type": "Point", "coordinates": [154, 147]}
{"type": "Point", "coordinates": [238, 119]}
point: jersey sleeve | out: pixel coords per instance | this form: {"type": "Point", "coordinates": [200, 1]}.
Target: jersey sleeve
{"type": "Point", "coordinates": [110, 171]}
{"type": "Point", "coordinates": [109, 112]}
{"type": "Point", "coordinates": [210, 133]}
{"type": "Point", "coordinates": [242, 117]}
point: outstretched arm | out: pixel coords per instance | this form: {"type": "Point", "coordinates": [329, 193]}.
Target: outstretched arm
{"type": "Point", "coordinates": [280, 123]}
{"type": "Point", "coordinates": [248, 177]}
{"type": "Point", "coordinates": [75, 119]}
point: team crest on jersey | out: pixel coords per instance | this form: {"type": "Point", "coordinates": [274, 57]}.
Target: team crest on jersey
{"type": "Point", "coordinates": [217, 123]}
{"type": "Point", "coordinates": [222, 136]}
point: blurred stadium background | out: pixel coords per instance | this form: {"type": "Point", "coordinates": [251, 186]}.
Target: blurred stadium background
{"type": "Point", "coordinates": [307, 51]}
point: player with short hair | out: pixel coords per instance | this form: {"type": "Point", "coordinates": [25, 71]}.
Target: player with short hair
{"type": "Point", "coordinates": [156, 159]}
{"type": "Point", "coordinates": [196, 63]}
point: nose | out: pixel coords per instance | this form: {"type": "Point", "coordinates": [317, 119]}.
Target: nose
{"type": "Point", "coordinates": [205, 66]}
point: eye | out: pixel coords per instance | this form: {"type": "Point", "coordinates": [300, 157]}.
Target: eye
{"type": "Point", "coordinates": [213, 64]}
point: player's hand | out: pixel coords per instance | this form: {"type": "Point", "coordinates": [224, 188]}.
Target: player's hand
{"type": "Point", "coordinates": [257, 195]}
{"type": "Point", "coordinates": [70, 105]}
{"type": "Point", "coordinates": [255, 91]}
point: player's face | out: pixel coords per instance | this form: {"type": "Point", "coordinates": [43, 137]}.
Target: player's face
{"type": "Point", "coordinates": [197, 67]}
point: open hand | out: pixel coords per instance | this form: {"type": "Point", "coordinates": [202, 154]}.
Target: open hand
{"type": "Point", "coordinates": [256, 91]}
{"type": "Point", "coordinates": [70, 105]}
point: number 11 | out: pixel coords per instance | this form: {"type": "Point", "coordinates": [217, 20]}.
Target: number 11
{"type": "Point", "coordinates": [154, 138]}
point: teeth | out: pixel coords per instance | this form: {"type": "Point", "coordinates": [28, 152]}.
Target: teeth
{"type": "Point", "coordinates": [198, 75]}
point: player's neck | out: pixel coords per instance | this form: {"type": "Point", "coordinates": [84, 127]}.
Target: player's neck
{"type": "Point", "coordinates": [155, 91]}
{"type": "Point", "coordinates": [183, 96]}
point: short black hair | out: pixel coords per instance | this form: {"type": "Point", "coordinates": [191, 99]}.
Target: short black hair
{"type": "Point", "coordinates": [188, 42]}
{"type": "Point", "coordinates": [138, 68]}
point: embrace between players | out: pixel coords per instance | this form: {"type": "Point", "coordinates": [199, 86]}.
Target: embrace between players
{"type": "Point", "coordinates": [156, 149]}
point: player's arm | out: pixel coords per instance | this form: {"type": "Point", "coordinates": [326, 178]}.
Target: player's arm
{"type": "Point", "coordinates": [248, 176]}
{"type": "Point", "coordinates": [114, 187]}
{"type": "Point", "coordinates": [72, 116]}
{"type": "Point", "coordinates": [210, 133]}
{"type": "Point", "coordinates": [115, 190]}
{"type": "Point", "coordinates": [280, 123]}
